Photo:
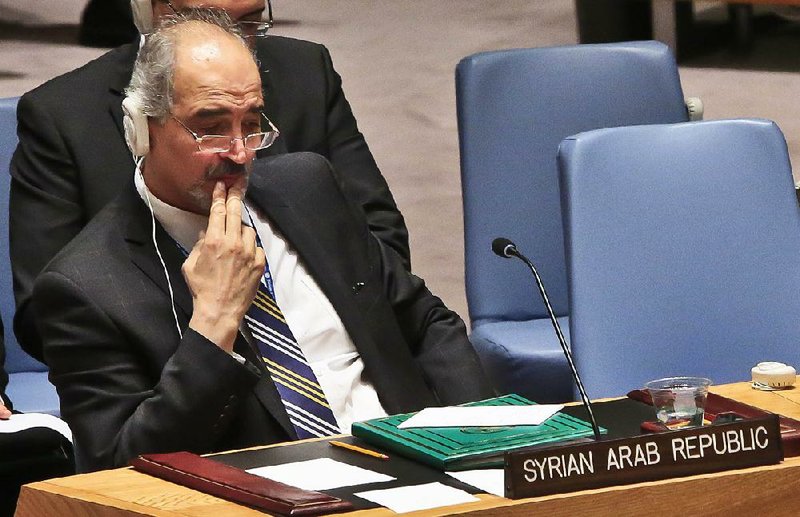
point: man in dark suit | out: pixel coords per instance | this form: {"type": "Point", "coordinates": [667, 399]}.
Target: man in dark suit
{"type": "Point", "coordinates": [72, 160]}
{"type": "Point", "coordinates": [135, 377]}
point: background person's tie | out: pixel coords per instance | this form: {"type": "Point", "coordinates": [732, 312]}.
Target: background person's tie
{"type": "Point", "coordinates": [297, 385]}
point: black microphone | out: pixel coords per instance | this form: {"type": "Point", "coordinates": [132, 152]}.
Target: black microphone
{"type": "Point", "coordinates": [505, 248]}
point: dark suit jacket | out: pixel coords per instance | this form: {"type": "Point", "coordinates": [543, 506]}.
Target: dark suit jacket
{"type": "Point", "coordinates": [129, 385]}
{"type": "Point", "coordinates": [72, 159]}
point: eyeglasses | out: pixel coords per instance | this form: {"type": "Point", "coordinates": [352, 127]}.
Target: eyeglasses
{"type": "Point", "coordinates": [257, 29]}
{"type": "Point", "coordinates": [250, 29]}
{"type": "Point", "coordinates": [223, 144]}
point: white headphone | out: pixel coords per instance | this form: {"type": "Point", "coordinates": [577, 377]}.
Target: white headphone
{"type": "Point", "coordinates": [134, 122]}
{"type": "Point", "coordinates": [142, 15]}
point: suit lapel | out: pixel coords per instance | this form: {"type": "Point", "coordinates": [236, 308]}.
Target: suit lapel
{"type": "Point", "coordinates": [336, 272]}
{"type": "Point", "coordinates": [289, 222]}
{"type": "Point", "coordinates": [138, 234]}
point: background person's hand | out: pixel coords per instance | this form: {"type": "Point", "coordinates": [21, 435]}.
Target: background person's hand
{"type": "Point", "coordinates": [5, 413]}
{"type": "Point", "coordinates": [223, 270]}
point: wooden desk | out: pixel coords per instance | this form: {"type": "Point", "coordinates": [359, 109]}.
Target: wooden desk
{"type": "Point", "coordinates": [771, 490]}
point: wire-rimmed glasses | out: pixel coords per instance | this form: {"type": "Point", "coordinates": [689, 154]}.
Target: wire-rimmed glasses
{"type": "Point", "coordinates": [250, 29]}
{"type": "Point", "coordinates": [223, 143]}
{"type": "Point", "coordinates": [257, 29]}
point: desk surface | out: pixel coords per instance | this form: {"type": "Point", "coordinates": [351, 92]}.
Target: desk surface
{"type": "Point", "coordinates": [766, 490]}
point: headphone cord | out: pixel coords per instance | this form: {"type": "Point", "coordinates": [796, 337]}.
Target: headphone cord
{"type": "Point", "coordinates": [158, 251]}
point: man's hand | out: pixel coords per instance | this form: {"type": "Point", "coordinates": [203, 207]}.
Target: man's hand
{"type": "Point", "coordinates": [5, 413]}
{"type": "Point", "coordinates": [223, 270]}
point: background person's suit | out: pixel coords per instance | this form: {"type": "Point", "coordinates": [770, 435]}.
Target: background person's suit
{"type": "Point", "coordinates": [109, 333]}
{"type": "Point", "coordinates": [72, 159]}
{"type": "Point", "coordinates": [107, 23]}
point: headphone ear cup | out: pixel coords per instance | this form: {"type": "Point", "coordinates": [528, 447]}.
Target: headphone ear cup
{"type": "Point", "coordinates": [142, 15]}
{"type": "Point", "coordinates": [134, 122]}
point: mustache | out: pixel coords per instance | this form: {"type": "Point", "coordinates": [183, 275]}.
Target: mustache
{"type": "Point", "coordinates": [228, 168]}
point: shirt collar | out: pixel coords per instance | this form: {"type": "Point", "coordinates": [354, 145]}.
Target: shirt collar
{"type": "Point", "coordinates": [183, 226]}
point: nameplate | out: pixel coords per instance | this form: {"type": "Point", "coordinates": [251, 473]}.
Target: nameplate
{"type": "Point", "coordinates": [596, 464]}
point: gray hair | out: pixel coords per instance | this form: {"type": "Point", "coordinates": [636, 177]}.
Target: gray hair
{"type": "Point", "coordinates": [151, 85]}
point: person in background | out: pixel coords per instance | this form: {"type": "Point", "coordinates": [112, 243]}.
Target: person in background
{"type": "Point", "coordinates": [72, 159]}
{"type": "Point", "coordinates": [26, 455]}
{"type": "Point", "coordinates": [107, 23]}
{"type": "Point", "coordinates": [220, 303]}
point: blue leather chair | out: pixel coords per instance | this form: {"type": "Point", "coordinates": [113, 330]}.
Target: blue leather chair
{"type": "Point", "coordinates": [514, 108]}
{"type": "Point", "coordinates": [28, 387]}
{"type": "Point", "coordinates": [683, 252]}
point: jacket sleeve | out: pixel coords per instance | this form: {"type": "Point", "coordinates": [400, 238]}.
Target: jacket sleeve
{"type": "Point", "coordinates": [117, 406]}
{"type": "Point", "coordinates": [45, 209]}
{"type": "Point", "coordinates": [361, 180]}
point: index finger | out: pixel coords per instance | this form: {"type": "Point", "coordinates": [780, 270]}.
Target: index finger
{"type": "Point", "coordinates": [233, 215]}
{"type": "Point", "coordinates": [217, 213]}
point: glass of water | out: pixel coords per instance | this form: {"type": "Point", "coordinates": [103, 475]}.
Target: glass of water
{"type": "Point", "coordinates": [679, 401]}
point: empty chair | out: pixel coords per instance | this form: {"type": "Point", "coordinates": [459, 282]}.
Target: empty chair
{"type": "Point", "coordinates": [683, 252]}
{"type": "Point", "coordinates": [28, 387]}
{"type": "Point", "coordinates": [514, 108]}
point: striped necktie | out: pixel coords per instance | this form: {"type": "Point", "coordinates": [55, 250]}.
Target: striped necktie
{"type": "Point", "coordinates": [301, 393]}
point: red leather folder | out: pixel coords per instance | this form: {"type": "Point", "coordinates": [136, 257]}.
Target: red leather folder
{"type": "Point", "coordinates": [233, 484]}
{"type": "Point", "coordinates": [717, 405]}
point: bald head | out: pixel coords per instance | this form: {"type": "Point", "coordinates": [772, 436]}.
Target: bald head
{"type": "Point", "coordinates": [191, 41]}
{"type": "Point", "coordinates": [212, 65]}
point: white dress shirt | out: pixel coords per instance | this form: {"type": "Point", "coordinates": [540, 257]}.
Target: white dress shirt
{"type": "Point", "coordinates": [311, 317]}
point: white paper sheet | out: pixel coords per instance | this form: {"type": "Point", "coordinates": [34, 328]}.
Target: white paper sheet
{"type": "Point", "coordinates": [20, 422]}
{"type": "Point", "coordinates": [482, 416]}
{"type": "Point", "coordinates": [417, 497]}
{"type": "Point", "coordinates": [320, 474]}
{"type": "Point", "coordinates": [491, 481]}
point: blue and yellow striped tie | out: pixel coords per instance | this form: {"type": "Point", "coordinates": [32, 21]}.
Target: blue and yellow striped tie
{"type": "Point", "coordinates": [297, 385]}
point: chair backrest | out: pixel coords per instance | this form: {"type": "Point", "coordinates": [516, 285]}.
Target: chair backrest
{"type": "Point", "coordinates": [514, 108]}
{"type": "Point", "coordinates": [16, 359]}
{"type": "Point", "coordinates": [683, 252]}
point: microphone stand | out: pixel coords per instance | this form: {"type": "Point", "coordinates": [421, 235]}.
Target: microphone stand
{"type": "Point", "coordinates": [505, 248]}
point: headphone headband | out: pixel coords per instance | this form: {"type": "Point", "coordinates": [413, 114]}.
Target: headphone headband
{"type": "Point", "coordinates": [142, 15]}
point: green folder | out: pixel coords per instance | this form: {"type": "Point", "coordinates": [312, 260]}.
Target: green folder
{"type": "Point", "coordinates": [462, 448]}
